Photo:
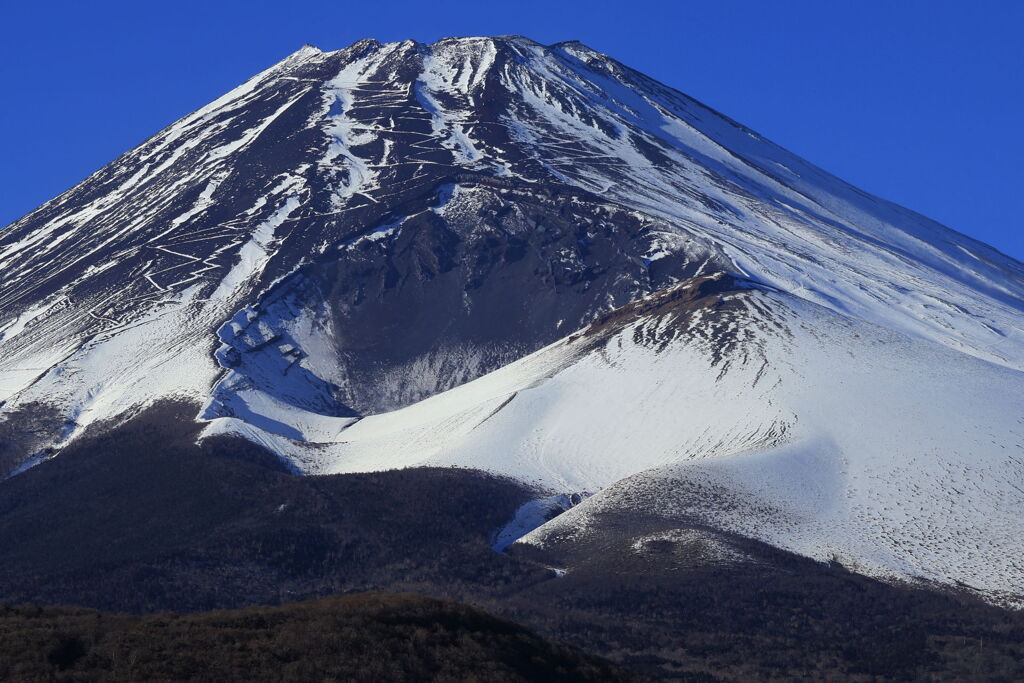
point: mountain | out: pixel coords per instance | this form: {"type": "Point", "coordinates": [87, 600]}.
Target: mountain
{"type": "Point", "coordinates": [534, 261]}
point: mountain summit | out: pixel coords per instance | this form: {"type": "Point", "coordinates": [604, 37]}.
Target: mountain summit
{"type": "Point", "coordinates": [538, 262]}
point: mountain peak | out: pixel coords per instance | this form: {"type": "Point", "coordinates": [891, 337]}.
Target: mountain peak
{"type": "Point", "coordinates": [384, 255]}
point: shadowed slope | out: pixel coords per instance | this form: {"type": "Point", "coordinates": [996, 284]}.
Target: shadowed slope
{"type": "Point", "coordinates": [369, 637]}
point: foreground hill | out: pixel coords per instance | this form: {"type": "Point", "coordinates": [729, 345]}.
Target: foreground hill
{"type": "Point", "coordinates": [366, 637]}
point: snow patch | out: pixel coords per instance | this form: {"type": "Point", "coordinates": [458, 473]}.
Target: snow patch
{"type": "Point", "coordinates": [533, 514]}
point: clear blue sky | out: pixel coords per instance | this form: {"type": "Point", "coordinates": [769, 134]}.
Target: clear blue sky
{"type": "Point", "coordinates": [918, 101]}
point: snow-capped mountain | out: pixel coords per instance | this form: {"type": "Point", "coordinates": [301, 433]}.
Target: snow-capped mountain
{"type": "Point", "coordinates": [536, 261]}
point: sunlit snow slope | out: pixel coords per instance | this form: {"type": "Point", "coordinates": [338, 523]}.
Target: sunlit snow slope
{"type": "Point", "coordinates": [533, 260]}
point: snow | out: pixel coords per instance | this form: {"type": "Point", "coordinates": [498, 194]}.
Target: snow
{"type": "Point", "coordinates": [281, 381]}
{"type": "Point", "coordinates": [346, 132]}
{"type": "Point", "coordinates": [255, 253]}
{"type": "Point", "coordinates": [702, 546]}
{"type": "Point", "coordinates": [108, 376]}
{"type": "Point", "coordinates": [17, 326]}
{"type": "Point", "coordinates": [449, 127]}
{"type": "Point", "coordinates": [530, 516]}
{"type": "Point", "coordinates": [251, 135]}
{"type": "Point", "coordinates": [896, 461]}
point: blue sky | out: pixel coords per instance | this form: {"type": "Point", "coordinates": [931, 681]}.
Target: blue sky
{"type": "Point", "coordinates": [920, 102]}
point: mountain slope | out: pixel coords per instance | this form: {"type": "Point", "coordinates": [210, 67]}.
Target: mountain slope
{"type": "Point", "coordinates": [536, 261]}
{"type": "Point", "coordinates": [747, 410]}
{"type": "Point", "coordinates": [223, 527]}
